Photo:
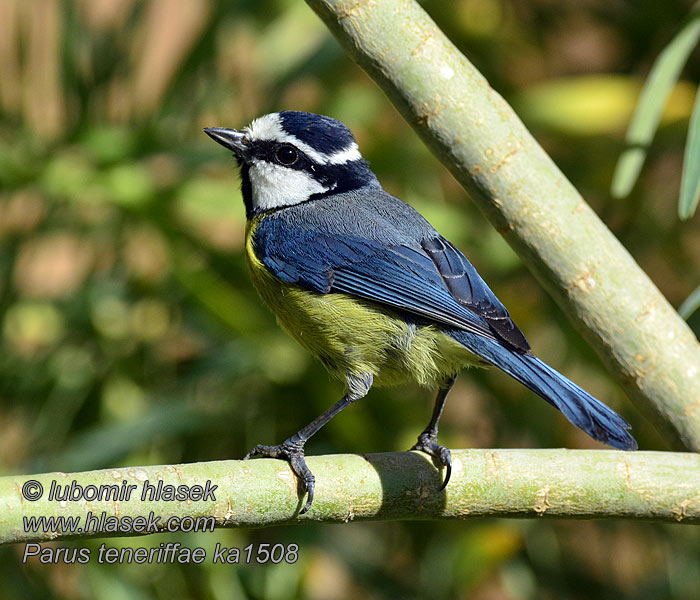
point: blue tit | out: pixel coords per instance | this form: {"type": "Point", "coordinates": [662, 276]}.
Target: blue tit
{"type": "Point", "coordinates": [369, 287]}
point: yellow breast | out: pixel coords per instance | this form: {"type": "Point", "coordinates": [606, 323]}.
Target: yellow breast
{"type": "Point", "coordinates": [352, 335]}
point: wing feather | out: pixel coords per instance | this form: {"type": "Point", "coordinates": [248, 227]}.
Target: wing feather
{"type": "Point", "coordinates": [432, 279]}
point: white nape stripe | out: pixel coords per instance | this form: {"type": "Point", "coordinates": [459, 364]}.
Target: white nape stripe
{"type": "Point", "coordinates": [275, 186]}
{"type": "Point", "coordinates": [344, 156]}
{"type": "Point", "coordinates": [269, 127]}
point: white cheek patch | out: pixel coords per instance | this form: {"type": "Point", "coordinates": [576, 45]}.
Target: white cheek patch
{"type": "Point", "coordinates": [275, 186]}
{"type": "Point", "coordinates": [269, 127]}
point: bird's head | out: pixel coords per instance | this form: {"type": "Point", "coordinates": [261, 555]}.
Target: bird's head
{"type": "Point", "coordinates": [291, 157]}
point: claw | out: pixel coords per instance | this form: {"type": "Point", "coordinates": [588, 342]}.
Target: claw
{"type": "Point", "coordinates": [308, 487]}
{"type": "Point", "coordinates": [292, 451]}
{"type": "Point", "coordinates": [427, 442]}
{"type": "Point", "coordinates": [307, 481]}
{"type": "Point", "coordinates": [446, 461]}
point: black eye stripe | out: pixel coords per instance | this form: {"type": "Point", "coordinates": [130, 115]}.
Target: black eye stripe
{"type": "Point", "coordinates": [269, 151]}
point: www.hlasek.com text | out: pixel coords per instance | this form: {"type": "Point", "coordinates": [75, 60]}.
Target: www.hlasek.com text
{"type": "Point", "coordinates": [108, 523]}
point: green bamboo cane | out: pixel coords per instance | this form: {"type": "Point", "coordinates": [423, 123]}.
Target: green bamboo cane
{"type": "Point", "coordinates": [661, 486]}
{"type": "Point", "coordinates": [475, 133]}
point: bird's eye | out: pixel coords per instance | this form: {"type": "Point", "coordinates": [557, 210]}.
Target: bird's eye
{"type": "Point", "coordinates": [287, 155]}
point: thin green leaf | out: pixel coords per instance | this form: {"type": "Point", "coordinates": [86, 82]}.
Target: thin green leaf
{"type": "Point", "coordinates": [662, 77]}
{"type": "Point", "coordinates": [690, 180]}
{"type": "Point", "coordinates": [690, 304]}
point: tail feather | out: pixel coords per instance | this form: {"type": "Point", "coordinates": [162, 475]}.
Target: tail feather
{"type": "Point", "coordinates": [577, 405]}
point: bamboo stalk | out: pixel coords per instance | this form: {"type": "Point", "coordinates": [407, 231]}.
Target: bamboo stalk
{"type": "Point", "coordinates": [404, 485]}
{"type": "Point", "coordinates": [640, 337]}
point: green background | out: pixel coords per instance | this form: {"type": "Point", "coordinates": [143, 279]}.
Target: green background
{"type": "Point", "coordinates": [130, 333]}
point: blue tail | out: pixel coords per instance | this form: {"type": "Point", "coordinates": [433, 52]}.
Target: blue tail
{"type": "Point", "coordinates": [582, 409]}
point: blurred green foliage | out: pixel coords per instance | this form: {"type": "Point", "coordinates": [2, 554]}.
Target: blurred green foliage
{"type": "Point", "coordinates": [663, 76]}
{"type": "Point", "coordinates": [130, 333]}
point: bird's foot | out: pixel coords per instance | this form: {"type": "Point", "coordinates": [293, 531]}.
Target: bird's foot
{"type": "Point", "coordinates": [427, 442]}
{"type": "Point", "coordinates": [291, 450]}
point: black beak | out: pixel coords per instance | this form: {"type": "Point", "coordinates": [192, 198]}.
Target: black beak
{"type": "Point", "coordinates": [228, 138]}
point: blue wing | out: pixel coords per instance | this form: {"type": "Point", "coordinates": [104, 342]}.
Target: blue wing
{"type": "Point", "coordinates": [470, 290]}
{"type": "Point", "coordinates": [429, 278]}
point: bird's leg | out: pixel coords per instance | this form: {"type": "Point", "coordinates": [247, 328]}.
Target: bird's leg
{"type": "Point", "coordinates": [427, 441]}
{"type": "Point", "coordinates": [292, 449]}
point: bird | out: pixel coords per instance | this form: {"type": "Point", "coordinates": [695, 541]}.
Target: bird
{"type": "Point", "coordinates": [364, 283]}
